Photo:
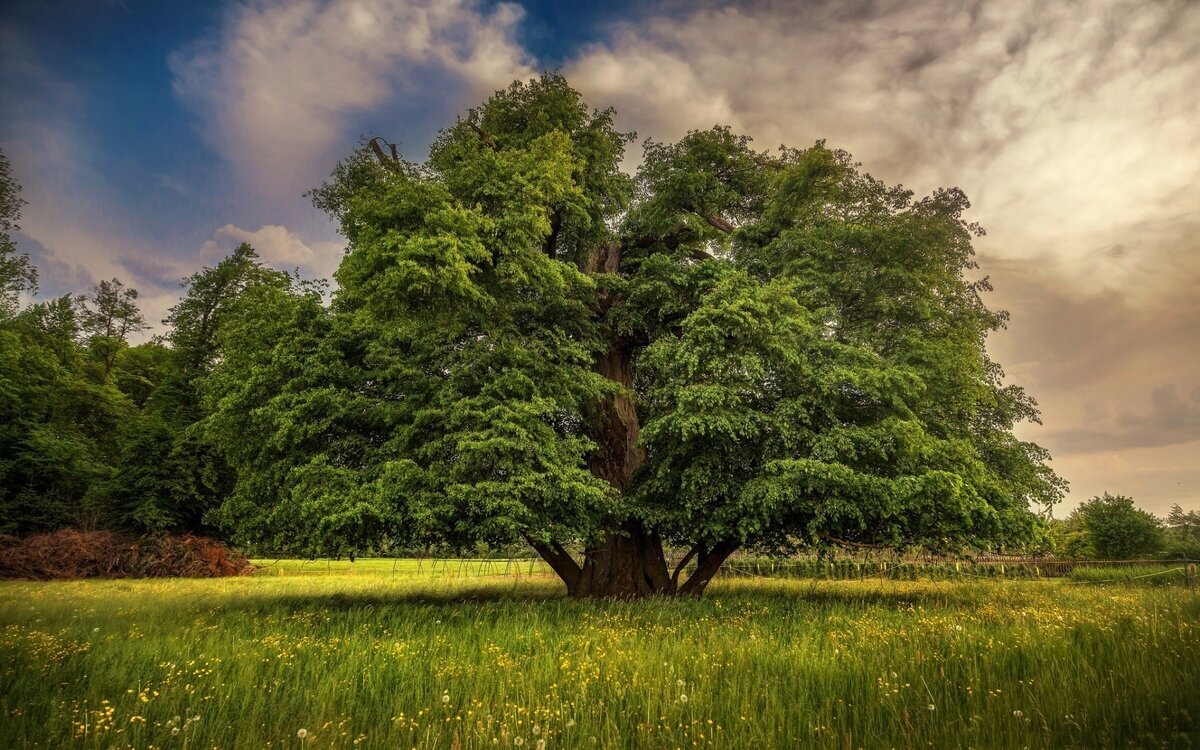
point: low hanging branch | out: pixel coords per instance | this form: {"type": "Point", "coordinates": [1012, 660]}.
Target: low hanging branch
{"type": "Point", "coordinates": [558, 558]}
{"type": "Point", "coordinates": [683, 564]}
{"type": "Point", "coordinates": [848, 543]}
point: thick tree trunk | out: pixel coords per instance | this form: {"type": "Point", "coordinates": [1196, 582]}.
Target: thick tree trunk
{"type": "Point", "coordinates": [614, 425]}
{"type": "Point", "coordinates": [629, 562]}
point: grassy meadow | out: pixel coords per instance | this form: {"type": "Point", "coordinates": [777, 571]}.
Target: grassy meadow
{"type": "Point", "coordinates": [392, 655]}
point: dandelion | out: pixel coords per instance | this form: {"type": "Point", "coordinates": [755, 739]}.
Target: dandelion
{"type": "Point", "coordinates": [95, 630]}
{"type": "Point", "coordinates": [445, 697]}
{"type": "Point", "coordinates": [932, 707]}
{"type": "Point", "coordinates": [518, 741]}
{"type": "Point", "coordinates": [541, 745]}
{"type": "Point", "coordinates": [683, 698]}
{"type": "Point", "coordinates": [174, 730]}
{"type": "Point", "coordinates": [302, 733]}
{"type": "Point", "coordinates": [537, 729]}
{"type": "Point", "coordinates": [679, 683]}
{"type": "Point", "coordinates": [1018, 714]}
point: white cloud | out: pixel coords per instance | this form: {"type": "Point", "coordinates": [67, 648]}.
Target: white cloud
{"type": "Point", "coordinates": [1072, 126]}
{"type": "Point", "coordinates": [275, 86]}
{"type": "Point", "coordinates": [278, 247]}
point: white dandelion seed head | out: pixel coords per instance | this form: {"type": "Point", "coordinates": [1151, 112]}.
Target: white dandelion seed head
{"type": "Point", "coordinates": [518, 741]}
{"type": "Point", "coordinates": [302, 733]}
{"type": "Point", "coordinates": [445, 697]}
{"type": "Point", "coordinates": [932, 707]}
{"type": "Point", "coordinates": [537, 729]}
{"type": "Point", "coordinates": [683, 698]}
{"type": "Point", "coordinates": [679, 683]}
{"type": "Point", "coordinates": [174, 730]}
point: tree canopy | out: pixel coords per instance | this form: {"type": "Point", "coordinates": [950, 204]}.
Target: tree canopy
{"type": "Point", "coordinates": [1111, 527]}
{"type": "Point", "coordinates": [733, 349]}
{"type": "Point", "coordinates": [96, 431]}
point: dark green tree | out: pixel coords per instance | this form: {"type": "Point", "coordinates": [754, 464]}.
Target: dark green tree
{"type": "Point", "coordinates": [734, 350]}
{"type": "Point", "coordinates": [59, 424]}
{"type": "Point", "coordinates": [107, 316]}
{"type": "Point", "coordinates": [17, 274]}
{"type": "Point", "coordinates": [168, 475]}
{"type": "Point", "coordinates": [1116, 529]}
{"type": "Point", "coordinates": [1183, 532]}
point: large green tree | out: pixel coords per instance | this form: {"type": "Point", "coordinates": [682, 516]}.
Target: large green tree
{"type": "Point", "coordinates": [732, 350]}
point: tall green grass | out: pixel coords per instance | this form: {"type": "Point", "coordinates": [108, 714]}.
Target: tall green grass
{"type": "Point", "coordinates": [1142, 575]}
{"type": "Point", "coordinates": [371, 658]}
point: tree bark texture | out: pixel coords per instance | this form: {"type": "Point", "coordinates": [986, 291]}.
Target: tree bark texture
{"type": "Point", "coordinates": [629, 562]}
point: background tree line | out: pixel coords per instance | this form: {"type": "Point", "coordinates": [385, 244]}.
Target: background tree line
{"type": "Point", "coordinates": [1112, 527]}
{"type": "Point", "coordinates": [97, 432]}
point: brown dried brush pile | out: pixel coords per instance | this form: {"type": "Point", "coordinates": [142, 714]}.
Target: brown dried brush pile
{"type": "Point", "coordinates": [70, 553]}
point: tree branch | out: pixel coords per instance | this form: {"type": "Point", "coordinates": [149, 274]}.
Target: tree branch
{"type": "Point", "coordinates": [551, 244]}
{"type": "Point", "coordinates": [487, 139]}
{"type": "Point", "coordinates": [559, 560]}
{"type": "Point", "coordinates": [720, 223]}
{"type": "Point", "coordinates": [848, 543]}
{"type": "Point", "coordinates": [710, 563]}
{"type": "Point", "coordinates": [682, 564]}
{"type": "Point", "coordinates": [384, 160]}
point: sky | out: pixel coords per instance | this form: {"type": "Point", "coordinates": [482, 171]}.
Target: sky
{"type": "Point", "coordinates": [151, 137]}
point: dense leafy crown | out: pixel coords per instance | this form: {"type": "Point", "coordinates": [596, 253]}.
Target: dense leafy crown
{"type": "Point", "coordinates": [803, 350]}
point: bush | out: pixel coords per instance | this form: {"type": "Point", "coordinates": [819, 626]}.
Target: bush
{"type": "Point", "coordinates": [70, 553]}
{"type": "Point", "coordinates": [1117, 529]}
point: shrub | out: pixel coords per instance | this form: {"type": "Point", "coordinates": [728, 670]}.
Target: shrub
{"type": "Point", "coordinates": [70, 553]}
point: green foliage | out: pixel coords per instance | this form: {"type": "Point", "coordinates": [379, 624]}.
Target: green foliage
{"type": "Point", "coordinates": [107, 317]}
{"type": "Point", "coordinates": [800, 345]}
{"type": "Point", "coordinates": [1183, 533]}
{"type": "Point", "coordinates": [17, 274]}
{"type": "Point", "coordinates": [169, 475]}
{"type": "Point", "coordinates": [95, 432]}
{"type": "Point", "coordinates": [1116, 529]}
{"type": "Point", "coordinates": [731, 349]}
{"type": "Point", "coordinates": [57, 421]}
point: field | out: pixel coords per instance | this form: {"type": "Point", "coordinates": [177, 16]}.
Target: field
{"type": "Point", "coordinates": [384, 655]}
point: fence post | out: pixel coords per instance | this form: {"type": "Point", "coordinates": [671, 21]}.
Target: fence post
{"type": "Point", "coordinates": [1191, 576]}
